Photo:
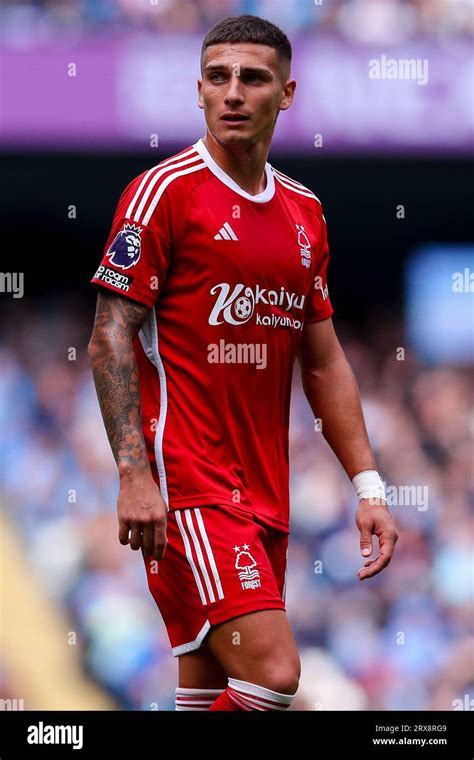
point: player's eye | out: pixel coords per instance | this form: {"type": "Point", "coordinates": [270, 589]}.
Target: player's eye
{"type": "Point", "coordinates": [216, 76]}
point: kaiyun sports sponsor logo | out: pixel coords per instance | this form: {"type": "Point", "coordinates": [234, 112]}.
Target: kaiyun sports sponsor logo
{"type": "Point", "coordinates": [238, 305]}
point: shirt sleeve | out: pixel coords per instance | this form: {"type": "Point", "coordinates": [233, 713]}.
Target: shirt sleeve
{"type": "Point", "coordinates": [318, 303]}
{"type": "Point", "coordinates": [136, 256]}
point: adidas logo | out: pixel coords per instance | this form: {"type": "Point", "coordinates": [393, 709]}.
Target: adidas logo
{"type": "Point", "coordinates": [226, 233]}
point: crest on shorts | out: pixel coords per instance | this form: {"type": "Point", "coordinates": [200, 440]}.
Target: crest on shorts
{"type": "Point", "coordinates": [249, 576]}
{"type": "Point", "coordinates": [126, 248]}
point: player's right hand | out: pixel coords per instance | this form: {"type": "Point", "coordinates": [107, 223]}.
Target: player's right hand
{"type": "Point", "coordinates": [142, 514]}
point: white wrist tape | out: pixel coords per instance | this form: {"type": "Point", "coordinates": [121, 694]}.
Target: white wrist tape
{"type": "Point", "coordinates": [369, 485]}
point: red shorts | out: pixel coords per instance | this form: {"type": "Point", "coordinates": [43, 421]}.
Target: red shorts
{"type": "Point", "coordinates": [219, 563]}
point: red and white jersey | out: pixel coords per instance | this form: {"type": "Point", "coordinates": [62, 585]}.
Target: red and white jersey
{"type": "Point", "coordinates": [230, 278]}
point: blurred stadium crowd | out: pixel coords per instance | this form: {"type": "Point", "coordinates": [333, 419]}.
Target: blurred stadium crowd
{"type": "Point", "coordinates": [402, 640]}
{"type": "Point", "coordinates": [378, 21]}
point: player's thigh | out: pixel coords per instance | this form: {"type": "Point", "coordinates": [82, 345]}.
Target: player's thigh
{"type": "Point", "coordinates": [201, 670]}
{"type": "Point", "coordinates": [258, 647]}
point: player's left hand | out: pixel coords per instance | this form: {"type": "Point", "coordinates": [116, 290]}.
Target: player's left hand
{"type": "Point", "coordinates": [373, 517]}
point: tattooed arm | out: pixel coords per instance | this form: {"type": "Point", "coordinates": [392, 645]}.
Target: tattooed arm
{"type": "Point", "coordinates": [141, 508]}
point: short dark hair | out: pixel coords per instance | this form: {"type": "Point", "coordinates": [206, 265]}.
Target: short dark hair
{"type": "Point", "coordinates": [252, 29]}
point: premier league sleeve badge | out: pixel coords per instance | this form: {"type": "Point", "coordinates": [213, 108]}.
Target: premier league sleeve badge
{"type": "Point", "coordinates": [126, 248]}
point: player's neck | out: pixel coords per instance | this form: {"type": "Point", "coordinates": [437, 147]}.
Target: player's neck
{"type": "Point", "coordinates": [245, 165]}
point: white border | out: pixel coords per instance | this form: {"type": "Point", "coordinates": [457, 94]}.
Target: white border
{"type": "Point", "coordinates": [149, 339]}
{"type": "Point", "coordinates": [192, 645]}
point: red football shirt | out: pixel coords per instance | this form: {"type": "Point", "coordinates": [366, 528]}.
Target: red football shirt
{"type": "Point", "coordinates": [230, 279]}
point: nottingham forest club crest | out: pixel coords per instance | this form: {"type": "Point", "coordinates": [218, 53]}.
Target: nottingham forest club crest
{"type": "Point", "coordinates": [247, 567]}
{"type": "Point", "coordinates": [305, 246]}
{"type": "Point", "coordinates": [126, 248]}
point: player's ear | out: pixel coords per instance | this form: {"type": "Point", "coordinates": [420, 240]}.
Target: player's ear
{"type": "Point", "coordinates": [200, 101]}
{"type": "Point", "coordinates": [288, 94]}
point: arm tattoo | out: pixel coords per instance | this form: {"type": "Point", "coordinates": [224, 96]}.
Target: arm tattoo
{"type": "Point", "coordinates": [114, 367]}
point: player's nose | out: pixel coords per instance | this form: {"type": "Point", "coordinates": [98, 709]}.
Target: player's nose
{"type": "Point", "coordinates": [234, 92]}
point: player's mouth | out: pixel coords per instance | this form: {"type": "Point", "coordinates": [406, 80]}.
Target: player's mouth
{"type": "Point", "coordinates": [234, 118]}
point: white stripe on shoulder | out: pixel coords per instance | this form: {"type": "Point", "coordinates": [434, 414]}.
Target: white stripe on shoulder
{"type": "Point", "coordinates": [283, 182]}
{"type": "Point", "coordinates": [153, 180]}
{"type": "Point", "coordinates": [164, 185]}
{"type": "Point", "coordinates": [291, 184]}
{"type": "Point", "coordinates": [292, 181]}
{"type": "Point", "coordinates": [153, 169]}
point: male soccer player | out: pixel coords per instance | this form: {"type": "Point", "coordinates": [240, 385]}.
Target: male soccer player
{"type": "Point", "coordinates": [212, 282]}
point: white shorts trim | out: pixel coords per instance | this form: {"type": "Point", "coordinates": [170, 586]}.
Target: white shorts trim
{"type": "Point", "coordinates": [192, 645]}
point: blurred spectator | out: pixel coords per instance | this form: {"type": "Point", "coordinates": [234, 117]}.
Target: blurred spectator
{"type": "Point", "coordinates": [367, 21]}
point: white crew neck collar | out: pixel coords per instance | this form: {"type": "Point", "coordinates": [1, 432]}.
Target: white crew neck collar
{"type": "Point", "coordinates": [262, 197]}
